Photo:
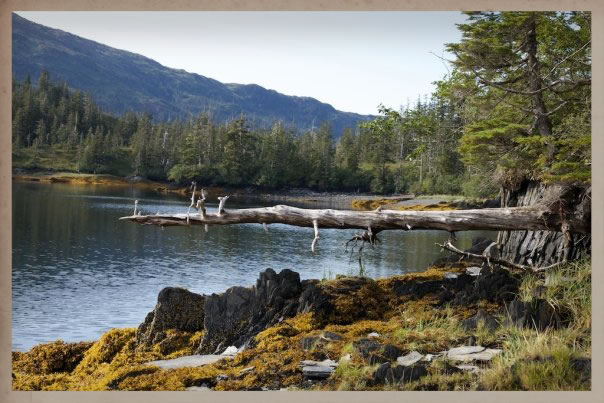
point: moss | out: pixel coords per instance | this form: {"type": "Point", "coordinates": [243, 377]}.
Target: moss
{"type": "Point", "coordinates": [354, 299]}
{"type": "Point", "coordinates": [390, 204]}
{"type": "Point", "coordinates": [178, 343]}
{"type": "Point", "coordinates": [50, 358]}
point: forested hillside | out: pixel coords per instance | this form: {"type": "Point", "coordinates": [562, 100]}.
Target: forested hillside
{"type": "Point", "coordinates": [516, 105]}
{"type": "Point", "coordinates": [123, 81]}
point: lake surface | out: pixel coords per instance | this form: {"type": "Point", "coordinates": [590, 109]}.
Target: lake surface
{"type": "Point", "coordinates": [78, 271]}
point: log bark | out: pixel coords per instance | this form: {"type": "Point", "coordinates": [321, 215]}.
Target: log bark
{"type": "Point", "coordinates": [496, 219]}
{"type": "Point", "coordinates": [543, 247]}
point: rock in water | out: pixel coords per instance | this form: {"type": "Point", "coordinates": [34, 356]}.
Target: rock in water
{"type": "Point", "coordinates": [176, 308]}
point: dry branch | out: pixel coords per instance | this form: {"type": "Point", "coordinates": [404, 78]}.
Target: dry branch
{"type": "Point", "coordinates": [493, 260]}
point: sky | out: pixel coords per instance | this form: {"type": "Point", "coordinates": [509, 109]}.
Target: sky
{"type": "Point", "coordinates": [351, 60]}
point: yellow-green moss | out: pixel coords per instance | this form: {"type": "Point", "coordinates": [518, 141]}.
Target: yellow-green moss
{"type": "Point", "coordinates": [390, 204]}
{"type": "Point", "coordinates": [50, 358]}
{"type": "Point", "coordinates": [530, 360]}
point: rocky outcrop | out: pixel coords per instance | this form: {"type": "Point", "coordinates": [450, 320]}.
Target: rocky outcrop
{"type": "Point", "coordinates": [387, 374]}
{"type": "Point", "coordinates": [537, 314]}
{"type": "Point", "coordinates": [235, 316]}
{"type": "Point", "coordinates": [176, 309]}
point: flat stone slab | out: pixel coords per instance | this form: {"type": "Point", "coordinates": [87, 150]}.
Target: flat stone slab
{"type": "Point", "coordinates": [324, 363]}
{"type": "Point", "coordinates": [486, 355]}
{"type": "Point", "coordinates": [468, 368]}
{"type": "Point", "coordinates": [409, 359]}
{"type": "Point", "coordinates": [198, 388]}
{"type": "Point", "coordinates": [188, 361]}
{"type": "Point", "coordinates": [473, 271]}
{"type": "Point", "coordinates": [472, 353]}
{"type": "Point", "coordinates": [317, 371]}
{"type": "Point", "coordinates": [465, 350]}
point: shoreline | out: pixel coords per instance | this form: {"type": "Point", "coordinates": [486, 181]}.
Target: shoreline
{"type": "Point", "coordinates": [453, 329]}
{"type": "Point", "coordinates": [357, 201]}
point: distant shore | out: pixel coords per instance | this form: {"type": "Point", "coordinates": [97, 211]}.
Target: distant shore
{"type": "Point", "coordinates": [361, 201]}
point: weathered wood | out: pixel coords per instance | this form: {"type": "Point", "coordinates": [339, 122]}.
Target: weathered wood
{"type": "Point", "coordinates": [496, 219]}
{"type": "Point", "coordinates": [492, 260]}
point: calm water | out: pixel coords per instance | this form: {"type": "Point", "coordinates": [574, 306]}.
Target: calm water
{"type": "Point", "coordinates": [78, 271]}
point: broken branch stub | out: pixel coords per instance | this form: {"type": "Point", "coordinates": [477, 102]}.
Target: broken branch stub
{"type": "Point", "coordinates": [316, 238]}
{"type": "Point", "coordinates": [194, 185]}
{"type": "Point", "coordinates": [222, 200]}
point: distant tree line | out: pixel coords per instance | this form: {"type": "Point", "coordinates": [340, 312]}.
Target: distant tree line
{"type": "Point", "coordinates": [516, 104]}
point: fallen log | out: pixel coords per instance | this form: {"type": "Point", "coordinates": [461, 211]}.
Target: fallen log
{"type": "Point", "coordinates": [494, 219]}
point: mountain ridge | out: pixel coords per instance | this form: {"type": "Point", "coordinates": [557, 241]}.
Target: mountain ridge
{"type": "Point", "coordinates": [120, 80]}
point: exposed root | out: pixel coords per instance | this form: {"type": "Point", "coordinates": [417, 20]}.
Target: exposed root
{"type": "Point", "coordinates": [491, 260]}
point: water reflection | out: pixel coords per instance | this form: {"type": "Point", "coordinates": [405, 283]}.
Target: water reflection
{"type": "Point", "coordinates": [78, 271]}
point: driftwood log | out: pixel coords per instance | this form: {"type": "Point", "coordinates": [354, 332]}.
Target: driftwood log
{"type": "Point", "coordinates": [534, 218]}
{"type": "Point", "coordinates": [494, 219]}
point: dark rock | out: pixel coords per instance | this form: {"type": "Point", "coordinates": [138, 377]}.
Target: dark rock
{"type": "Point", "coordinates": [331, 336]}
{"type": "Point", "coordinates": [365, 346]}
{"type": "Point", "coordinates": [536, 314]}
{"type": "Point", "coordinates": [491, 285]}
{"type": "Point", "coordinates": [377, 359]}
{"type": "Point", "coordinates": [313, 299]}
{"type": "Point", "coordinates": [383, 374]}
{"type": "Point", "coordinates": [399, 374]}
{"type": "Point", "coordinates": [583, 366]}
{"type": "Point", "coordinates": [177, 309]}
{"type": "Point", "coordinates": [479, 244]}
{"type": "Point", "coordinates": [392, 352]}
{"type": "Point", "coordinates": [237, 315]}
{"type": "Point", "coordinates": [409, 374]}
{"type": "Point", "coordinates": [489, 322]}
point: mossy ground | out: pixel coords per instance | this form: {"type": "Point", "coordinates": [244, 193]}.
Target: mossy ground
{"type": "Point", "coordinates": [531, 360]}
{"type": "Point", "coordinates": [392, 204]}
